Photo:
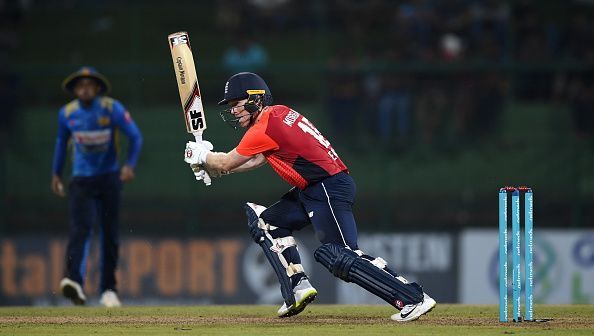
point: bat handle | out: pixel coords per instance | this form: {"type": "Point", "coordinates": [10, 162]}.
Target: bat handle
{"type": "Point", "coordinates": [206, 178]}
{"type": "Point", "coordinates": [198, 136]}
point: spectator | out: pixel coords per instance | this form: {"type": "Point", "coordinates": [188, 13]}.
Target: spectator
{"type": "Point", "coordinates": [430, 111]}
{"type": "Point", "coordinates": [228, 16]}
{"type": "Point", "coordinates": [272, 16]}
{"type": "Point", "coordinates": [245, 56]}
{"type": "Point", "coordinates": [394, 111]}
{"type": "Point", "coordinates": [344, 98]}
{"type": "Point", "coordinates": [464, 111]}
{"type": "Point", "coordinates": [488, 107]}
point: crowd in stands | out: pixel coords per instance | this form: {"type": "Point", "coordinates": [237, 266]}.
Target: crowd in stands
{"type": "Point", "coordinates": [472, 51]}
{"type": "Point", "coordinates": [428, 72]}
{"type": "Point", "coordinates": [495, 44]}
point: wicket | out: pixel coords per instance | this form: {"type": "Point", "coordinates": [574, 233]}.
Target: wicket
{"type": "Point", "coordinates": [516, 283]}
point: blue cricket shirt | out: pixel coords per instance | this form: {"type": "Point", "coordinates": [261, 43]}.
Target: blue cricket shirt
{"type": "Point", "coordinates": [94, 132]}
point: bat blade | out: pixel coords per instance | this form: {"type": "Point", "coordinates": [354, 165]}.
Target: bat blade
{"type": "Point", "coordinates": [187, 83]}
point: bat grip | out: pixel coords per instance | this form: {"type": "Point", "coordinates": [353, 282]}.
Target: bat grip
{"type": "Point", "coordinates": [198, 136]}
{"type": "Point", "coordinates": [206, 178]}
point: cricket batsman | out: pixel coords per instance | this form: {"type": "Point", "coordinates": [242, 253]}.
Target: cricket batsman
{"type": "Point", "coordinates": [91, 124]}
{"type": "Point", "coordinates": [322, 195]}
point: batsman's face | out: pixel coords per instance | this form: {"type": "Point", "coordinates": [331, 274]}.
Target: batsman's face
{"type": "Point", "coordinates": [86, 89]}
{"type": "Point", "coordinates": [239, 111]}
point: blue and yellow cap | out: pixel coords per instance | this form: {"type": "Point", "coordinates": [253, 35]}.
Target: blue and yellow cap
{"type": "Point", "coordinates": [86, 72]}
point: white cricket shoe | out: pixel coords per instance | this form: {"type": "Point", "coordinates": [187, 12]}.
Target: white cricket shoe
{"type": "Point", "coordinates": [110, 299]}
{"type": "Point", "coordinates": [304, 295]}
{"type": "Point", "coordinates": [72, 290]}
{"type": "Point", "coordinates": [412, 312]}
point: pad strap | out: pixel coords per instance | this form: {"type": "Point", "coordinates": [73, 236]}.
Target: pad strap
{"type": "Point", "coordinates": [377, 262]}
{"type": "Point", "coordinates": [281, 244]}
{"type": "Point", "coordinates": [293, 269]}
{"type": "Point", "coordinates": [266, 227]}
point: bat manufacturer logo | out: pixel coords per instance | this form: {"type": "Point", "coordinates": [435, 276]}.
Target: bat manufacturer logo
{"type": "Point", "coordinates": [196, 119]}
{"type": "Point", "coordinates": [277, 247]}
{"type": "Point", "coordinates": [177, 40]}
{"type": "Point", "coordinates": [182, 73]}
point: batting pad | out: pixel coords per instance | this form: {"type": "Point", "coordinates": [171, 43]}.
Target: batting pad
{"type": "Point", "coordinates": [263, 238]}
{"type": "Point", "coordinates": [350, 267]}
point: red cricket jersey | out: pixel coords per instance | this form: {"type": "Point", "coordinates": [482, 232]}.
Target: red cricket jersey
{"type": "Point", "coordinates": [292, 145]}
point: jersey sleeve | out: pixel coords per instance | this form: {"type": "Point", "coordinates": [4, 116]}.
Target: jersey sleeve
{"type": "Point", "coordinates": [61, 144]}
{"type": "Point", "coordinates": [124, 122]}
{"type": "Point", "coordinates": [256, 141]}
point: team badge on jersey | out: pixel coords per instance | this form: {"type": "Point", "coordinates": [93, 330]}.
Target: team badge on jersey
{"type": "Point", "coordinates": [103, 121]}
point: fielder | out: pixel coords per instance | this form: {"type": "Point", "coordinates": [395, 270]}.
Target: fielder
{"type": "Point", "coordinates": [92, 123]}
{"type": "Point", "coordinates": [323, 196]}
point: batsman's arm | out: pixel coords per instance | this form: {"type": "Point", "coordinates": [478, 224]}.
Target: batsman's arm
{"type": "Point", "coordinates": [233, 162]}
{"type": "Point", "coordinates": [255, 161]}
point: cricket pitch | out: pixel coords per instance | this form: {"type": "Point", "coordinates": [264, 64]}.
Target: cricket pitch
{"type": "Point", "coordinates": [445, 319]}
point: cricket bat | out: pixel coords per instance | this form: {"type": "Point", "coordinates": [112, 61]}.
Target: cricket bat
{"type": "Point", "coordinates": [187, 83]}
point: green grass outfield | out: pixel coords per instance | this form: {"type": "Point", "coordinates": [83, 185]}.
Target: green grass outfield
{"type": "Point", "coordinates": [261, 320]}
